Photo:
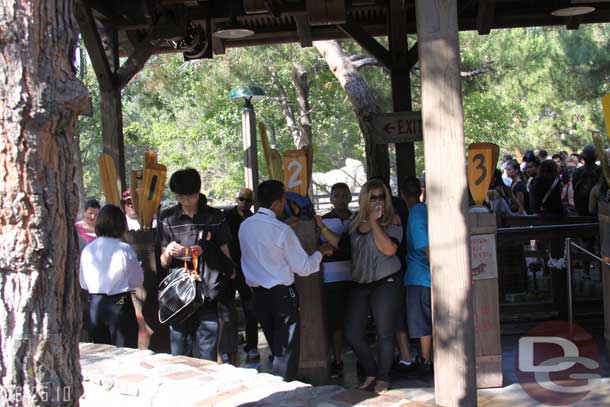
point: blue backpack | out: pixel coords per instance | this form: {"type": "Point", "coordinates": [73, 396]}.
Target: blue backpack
{"type": "Point", "coordinates": [299, 206]}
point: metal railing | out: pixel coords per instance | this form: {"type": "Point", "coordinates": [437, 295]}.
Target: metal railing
{"type": "Point", "coordinates": [568, 258]}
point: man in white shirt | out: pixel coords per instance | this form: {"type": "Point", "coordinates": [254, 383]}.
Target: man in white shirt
{"type": "Point", "coordinates": [271, 255]}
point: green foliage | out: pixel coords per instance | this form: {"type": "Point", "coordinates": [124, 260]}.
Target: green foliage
{"type": "Point", "coordinates": [526, 88]}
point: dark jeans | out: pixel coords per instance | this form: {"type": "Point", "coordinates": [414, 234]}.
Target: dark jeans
{"type": "Point", "coordinates": [382, 298]}
{"type": "Point", "coordinates": [277, 310]}
{"type": "Point", "coordinates": [112, 320]}
{"type": "Point", "coordinates": [196, 337]}
{"type": "Point", "coordinates": [245, 295]}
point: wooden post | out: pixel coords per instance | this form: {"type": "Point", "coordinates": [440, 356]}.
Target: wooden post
{"type": "Point", "coordinates": [313, 359]}
{"type": "Point", "coordinates": [443, 121]}
{"type": "Point", "coordinates": [145, 298]}
{"type": "Point", "coordinates": [486, 303]}
{"type": "Point", "coordinates": [401, 83]}
{"type": "Point", "coordinates": [248, 124]}
{"type": "Point", "coordinates": [604, 226]}
{"type": "Point", "coordinates": [102, 47]}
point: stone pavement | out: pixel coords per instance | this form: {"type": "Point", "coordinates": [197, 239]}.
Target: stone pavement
{"type": "Point", "coordinates": [129, 377]}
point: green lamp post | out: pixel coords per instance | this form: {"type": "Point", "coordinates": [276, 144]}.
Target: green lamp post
{"type": "Point", "coordinates": [247, 95]}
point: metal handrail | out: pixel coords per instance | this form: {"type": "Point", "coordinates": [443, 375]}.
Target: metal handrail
{"type": "Point", "coordinates": [568, 257]}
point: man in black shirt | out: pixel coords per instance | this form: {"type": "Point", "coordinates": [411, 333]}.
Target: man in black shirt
{"type": "Point", "coordinates": [185, 226]}
{"type": "Point", "coordinates": [235, 216]}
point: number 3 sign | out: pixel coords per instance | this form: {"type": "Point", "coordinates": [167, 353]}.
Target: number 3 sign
{"type": "Point", "coordinates": [482, 160]}
{"type": "Point", "coordinates": [295, 171]}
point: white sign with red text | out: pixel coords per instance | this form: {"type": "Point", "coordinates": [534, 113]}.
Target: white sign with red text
{"type": "Point", "coordinates": [483, 264]}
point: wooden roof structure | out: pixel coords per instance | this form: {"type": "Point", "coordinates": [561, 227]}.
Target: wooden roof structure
{"type": "Point", "coordinates": [187, 25]}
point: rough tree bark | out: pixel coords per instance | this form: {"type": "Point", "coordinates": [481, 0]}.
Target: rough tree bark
{"type": "Point", "coordinates": [40, 98]}
{"type": "Point", "coordinates": [364, 104]}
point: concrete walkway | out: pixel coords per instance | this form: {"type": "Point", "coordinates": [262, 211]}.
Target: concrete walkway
{"type": "Point", "coordinates": [117, 377]}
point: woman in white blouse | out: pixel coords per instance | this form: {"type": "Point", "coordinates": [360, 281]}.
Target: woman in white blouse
{"type": "Point", "coordinates": [109, 271]}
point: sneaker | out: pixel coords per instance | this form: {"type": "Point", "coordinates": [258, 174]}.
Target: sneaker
{"type": "Point", "coordinates": [253, 355]}
{"type": "Point", "coordinates": [336, 369]}
{"type": "Point", "coordinates": [404, 368]}
{"type": "Point", "coordinates": [426, 369]}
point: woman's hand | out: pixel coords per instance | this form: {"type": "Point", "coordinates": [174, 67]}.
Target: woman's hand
{"type": "Point", "coordinates": [377, 212]}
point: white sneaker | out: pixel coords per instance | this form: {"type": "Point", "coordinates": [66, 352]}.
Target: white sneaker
{"type": "Point", "coordinates": [253, 355]}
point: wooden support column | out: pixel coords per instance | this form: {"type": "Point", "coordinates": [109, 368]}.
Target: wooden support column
{"type": "Point", "coordinates": [102, 47]}
{"type": "Point", "coordinates": [112, 107]}
{"type": "Point", "coordinates": [401, 82]}
{"type": "Point", "coordinates": [443, 124]}
{"type": "Point", "coordinates": [604, 238]}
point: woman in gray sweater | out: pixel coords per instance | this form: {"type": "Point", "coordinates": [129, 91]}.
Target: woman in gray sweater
{"type": "Point", "coordinates": [374, 236]}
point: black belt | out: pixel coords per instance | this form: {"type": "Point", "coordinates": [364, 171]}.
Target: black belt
{"type": "Point", "coordinates": [112, 295]}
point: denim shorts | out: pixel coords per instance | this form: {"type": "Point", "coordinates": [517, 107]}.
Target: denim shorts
{"type": "Point", "coordinates": [419, 311]}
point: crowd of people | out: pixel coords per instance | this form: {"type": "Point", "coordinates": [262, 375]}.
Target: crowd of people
{"type": "Point", "coordinates": [363, 257]}
{"type": "Point", "coordinates": [556, 186]}
{"type": "Point", "coordinates": [374, 264]}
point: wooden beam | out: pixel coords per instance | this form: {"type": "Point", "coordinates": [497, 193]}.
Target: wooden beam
{"type": "Point", "coordinates": [218, 46]}
{"type": "Point", "coordinates": [443, 120]}
{"type": "Point", "coordinates": [574, 22]}
{"type": "Point", "coordinates": [412, 56]}
{"type": "Point", "coordinates": [485, 16]}
{"type": "Point", "coordinates": [303, 30]}
{"type": "Point", "coordinates": [95, 48]}
{"type": "Point", "coordinates": [401, 81]}
{"type": "Point", "coordinates": [135, 62]}
{"type": "Point", "coordinates": [366, 41]}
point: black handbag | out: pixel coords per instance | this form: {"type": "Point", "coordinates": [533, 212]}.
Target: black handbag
{"type": "Point", "coordinates": [180, 294]}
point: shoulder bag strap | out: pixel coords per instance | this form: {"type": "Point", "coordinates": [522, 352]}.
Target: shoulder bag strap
{"type": "Point", "coordinates": [550, 190]}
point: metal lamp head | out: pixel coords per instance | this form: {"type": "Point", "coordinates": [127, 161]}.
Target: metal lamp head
{"type": "Point", "coordinates": [232, 30]}
{"type": "Point", "coordinates": [572, 11]}
{"type": "Point", "coordinates": [247, 94]}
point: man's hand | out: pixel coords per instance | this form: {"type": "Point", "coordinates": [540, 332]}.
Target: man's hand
{"type": "Point", "coordinates": [326, 249]}
{"type": "Point", "coordinates": [292, 221]}
{"type": "Point", "coordinates": [174, 249]}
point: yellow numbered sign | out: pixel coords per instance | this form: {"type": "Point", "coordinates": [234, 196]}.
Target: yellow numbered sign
{"type": "Point", "coordinates": [606, 108]}
{"type": "Point", "coordinates": [295, 171]}
{"type": "Point", "coordinates": [482, 160]}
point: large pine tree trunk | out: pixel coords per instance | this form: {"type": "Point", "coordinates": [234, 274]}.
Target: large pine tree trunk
{"type": "Point", "coordinates": [40, 98]}
{"type": "Point", "coordinates": [364, 104]}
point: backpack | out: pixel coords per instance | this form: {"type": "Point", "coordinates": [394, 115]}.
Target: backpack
{"type": "Point", "coordinates": [299, 206]}
{"type": "Point", "coordinates": [583, 180]}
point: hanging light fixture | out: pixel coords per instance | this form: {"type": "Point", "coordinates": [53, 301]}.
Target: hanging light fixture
{"type": "Point", "coordinates": [232, 30]}
{"type": "Point", "coordinates": [573, 11]}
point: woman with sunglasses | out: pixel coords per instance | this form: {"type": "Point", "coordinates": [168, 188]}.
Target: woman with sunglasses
{"type": "Point", "coordinates": [374, 236]}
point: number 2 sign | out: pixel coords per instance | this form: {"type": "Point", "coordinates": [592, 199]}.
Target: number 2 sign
{"type": "Point", "coordinates": [295, 171]}
{"type": "Point", "coordinates": [482, 160]}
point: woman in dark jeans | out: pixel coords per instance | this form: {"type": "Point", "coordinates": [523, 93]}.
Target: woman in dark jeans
{"type": "Point", "coordinates": [374, 236]}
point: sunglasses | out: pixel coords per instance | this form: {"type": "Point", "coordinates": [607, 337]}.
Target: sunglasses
{"type": "Point", "coordinates": [242, 199]}
{"type": "Point", "coordinates": [374, 198]}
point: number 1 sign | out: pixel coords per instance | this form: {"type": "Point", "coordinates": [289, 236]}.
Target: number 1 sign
{"type": "Point", "coordinates": [295, 171]}
{"type": "Point", "coordinates": [482, 160]}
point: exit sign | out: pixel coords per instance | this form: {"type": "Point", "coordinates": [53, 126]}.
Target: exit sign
{"type": "Point", "coordinates": [399, 127]}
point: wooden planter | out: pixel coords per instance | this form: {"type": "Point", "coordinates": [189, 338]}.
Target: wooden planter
{"type": "Point", "coordinates": [486, 306]}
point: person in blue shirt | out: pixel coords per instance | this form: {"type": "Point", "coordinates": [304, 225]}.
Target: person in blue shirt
{"type": "Point", "coordinates": [417, 278]}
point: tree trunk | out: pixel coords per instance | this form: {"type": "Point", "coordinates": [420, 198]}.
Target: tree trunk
{"type": "Point", "coordinates": [40, 98]}
{"type": "Point", "coordinates": [364, 104]}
